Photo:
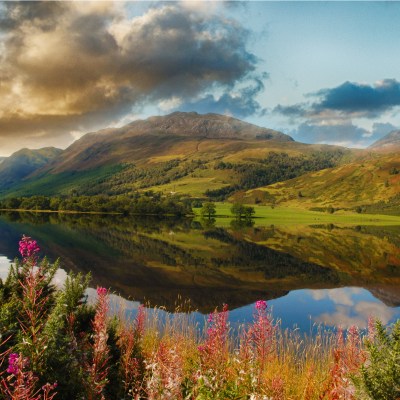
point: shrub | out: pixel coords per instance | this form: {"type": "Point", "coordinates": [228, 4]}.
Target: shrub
{"type": "Point", "coordinates": [380, 375]}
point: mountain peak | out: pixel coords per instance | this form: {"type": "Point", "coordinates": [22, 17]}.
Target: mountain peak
{"type": "Point", "coordinates": [174, 136]}
{"type": "Point", "coordinates": [211, 126]}
{"type": "Point", "coordinates": [389, 142]}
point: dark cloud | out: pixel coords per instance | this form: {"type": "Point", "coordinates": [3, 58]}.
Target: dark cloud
{"type": "Point", "coordinates": [342, 134]}
{"type": "Point", "coordinates": [72, 61]}
{"type": "Point", "coordinates": [242, 104]}
{"type": "Point", "coordinates": [368, 100]}
{"type": "Point", "coordinates": [330, 118]}
{"type": "Point", "coordinates": [348, 100]}
{"type": "Point", "coordinates": [295, 110]}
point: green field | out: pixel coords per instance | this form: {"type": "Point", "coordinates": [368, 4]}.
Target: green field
{"type": "Point", "coordinates": [265, 215]}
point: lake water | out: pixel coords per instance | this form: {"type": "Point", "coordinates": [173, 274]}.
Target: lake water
{"type": "Point", "coordinates": [309, 275]}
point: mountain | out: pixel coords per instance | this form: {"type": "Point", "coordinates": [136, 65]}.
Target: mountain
{"type": "Point", "coordinates": [186, 153]}
{"type": "Point", "coordinates": [24, 162]}
{"type": "Point", "coordinates": [390, 142]}
{"type": "Point", "coordinates": [144, 139]}
{"type": "Point", "coordinates": [373, 181]}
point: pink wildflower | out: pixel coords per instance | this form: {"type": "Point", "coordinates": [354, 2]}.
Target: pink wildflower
{"type": "Point", "coordinates": [261, 334]}
{"type": "Point", "coordinates": [261, 305]}
{"type": "Point", "coordinates": [101, 291]}
{"type": "Point", "coordinates": [214, 350]}
{"type": "Point", "coordinates": [13, 364]}
{"type": "Point", "coordinates": [28, 247]}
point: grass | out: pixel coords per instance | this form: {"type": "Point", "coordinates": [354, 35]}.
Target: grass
{"type": "Point", "coordinates": [265, 215]}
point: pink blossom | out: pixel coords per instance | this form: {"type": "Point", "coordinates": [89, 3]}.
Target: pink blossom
{"type": "Point", "coordinates": [28, 247]}
{"type": "Point", "coordinates": [261, 305]}
{"type": "Point", "coordinates": [12, 363]}
{"type": "Point", "coordinates": [101, 291]}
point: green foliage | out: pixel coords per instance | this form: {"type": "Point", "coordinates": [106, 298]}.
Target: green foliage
{"type": "Point", "coordinates": [241, 211]}
{"type": "Point", "coordinates": [208, 210]}
{"type": "Point", "coordinates": [276, 167]}
{"type": "Point", "coordinates": [380, 375]}
{"type": "Point", "coordinates": [144, 204]}
{"type": "Point", "coordinates": [222, 193]}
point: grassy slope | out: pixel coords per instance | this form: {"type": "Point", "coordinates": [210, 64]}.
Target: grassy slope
{"type": "Point", "coordinates": [23, 163]}
{"type": "Point", "coordinates": [357, 183]}
{"type": "Point", "coordinates": [62, 183]}
{"type": "Point", "coordinates": [230, 151]}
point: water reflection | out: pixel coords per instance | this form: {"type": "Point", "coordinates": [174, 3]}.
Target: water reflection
{"type": "Point", "coordinates": [158, 260]}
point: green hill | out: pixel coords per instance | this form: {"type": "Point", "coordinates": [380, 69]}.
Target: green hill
{"type": "Point", "coordinates": [188, 153]}
{"type": "Point", "coordinates": [23, 163]}
{"type": "Point", "coordinates": [373, 184]}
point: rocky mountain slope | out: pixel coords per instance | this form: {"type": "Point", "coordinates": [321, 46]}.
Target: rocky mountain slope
{"type": "Point", "coordinates": [390, 142]}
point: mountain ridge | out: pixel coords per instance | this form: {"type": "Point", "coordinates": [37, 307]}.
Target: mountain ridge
{"type": "Point", "coordinates": [114, 145]}
{"type": "Point", "coordinates": [187, 153]}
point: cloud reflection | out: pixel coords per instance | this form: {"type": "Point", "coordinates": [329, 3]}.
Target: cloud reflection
{"type": "Point", "coordinates": [348, 311]}
{"type": "Point", "coordinates": [341, 296]}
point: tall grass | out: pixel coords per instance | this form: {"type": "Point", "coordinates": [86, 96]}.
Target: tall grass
{"type": "Point", "coordinates": [55, 345]}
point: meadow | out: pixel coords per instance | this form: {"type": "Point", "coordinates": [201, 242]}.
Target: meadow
{"type": "Point", "coordinates": [280, 215]}
{"type": "Point", "coordinates": [55, 345]}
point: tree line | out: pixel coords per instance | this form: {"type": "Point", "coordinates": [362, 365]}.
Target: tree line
{"type": "Point", "coordinates": [148, 203]}
{"type": "Point", "coordinates": [276, 167]}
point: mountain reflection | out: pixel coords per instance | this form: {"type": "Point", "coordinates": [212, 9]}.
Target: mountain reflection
{"type": "Point", "coordinates": [159, 260]}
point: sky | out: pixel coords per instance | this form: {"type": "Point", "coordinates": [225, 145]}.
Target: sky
{"type": "Point", "coordinates": [322, 72]}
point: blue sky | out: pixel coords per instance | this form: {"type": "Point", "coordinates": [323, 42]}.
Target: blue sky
{"type": "Point", "coordinates": [323, 72]}
{"type": "Point", "coordinates": [310, 46]}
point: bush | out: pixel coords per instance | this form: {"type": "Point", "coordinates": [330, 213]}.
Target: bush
{"type": "Point", "coordinates": [380, 376]}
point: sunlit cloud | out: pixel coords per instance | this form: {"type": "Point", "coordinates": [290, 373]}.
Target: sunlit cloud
{"type": "Point", "coordinates": [68, 67]}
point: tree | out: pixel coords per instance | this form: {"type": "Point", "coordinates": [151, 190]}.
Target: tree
{"type": "Point", "coordinates": [208, 210]}
{"type": "Point", "coordinates": [241, 211]}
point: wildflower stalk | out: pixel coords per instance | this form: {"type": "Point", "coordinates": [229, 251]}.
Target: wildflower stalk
{"type": "Point", "coordinates": [98, 367]}
{"type": "Point", "coordinates": [21, 383]}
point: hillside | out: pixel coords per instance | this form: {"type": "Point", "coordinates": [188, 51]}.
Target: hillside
{"type": "Point", "coordinates": [177, 134]}
{"type": "Point", "coordinates": [187, 153]}
{"type": "Point", "coordinates": [373, 181]}
{"type": "Point", "coordinates": [23, 163]}
{"type": "Point", "coordinates": [389, 143]}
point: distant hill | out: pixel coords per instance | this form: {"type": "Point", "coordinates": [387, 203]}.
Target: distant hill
{"type": "Point", "coordinates": [390, 142]}
{"type": "Point", "coordinates": [184, 153]}
{"type": "Point", "coordinates": [375, 180]}
{"type": "Point", "coordinates": [2, 159]}
{"type": "Point", "coordinates": [24, 162]}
